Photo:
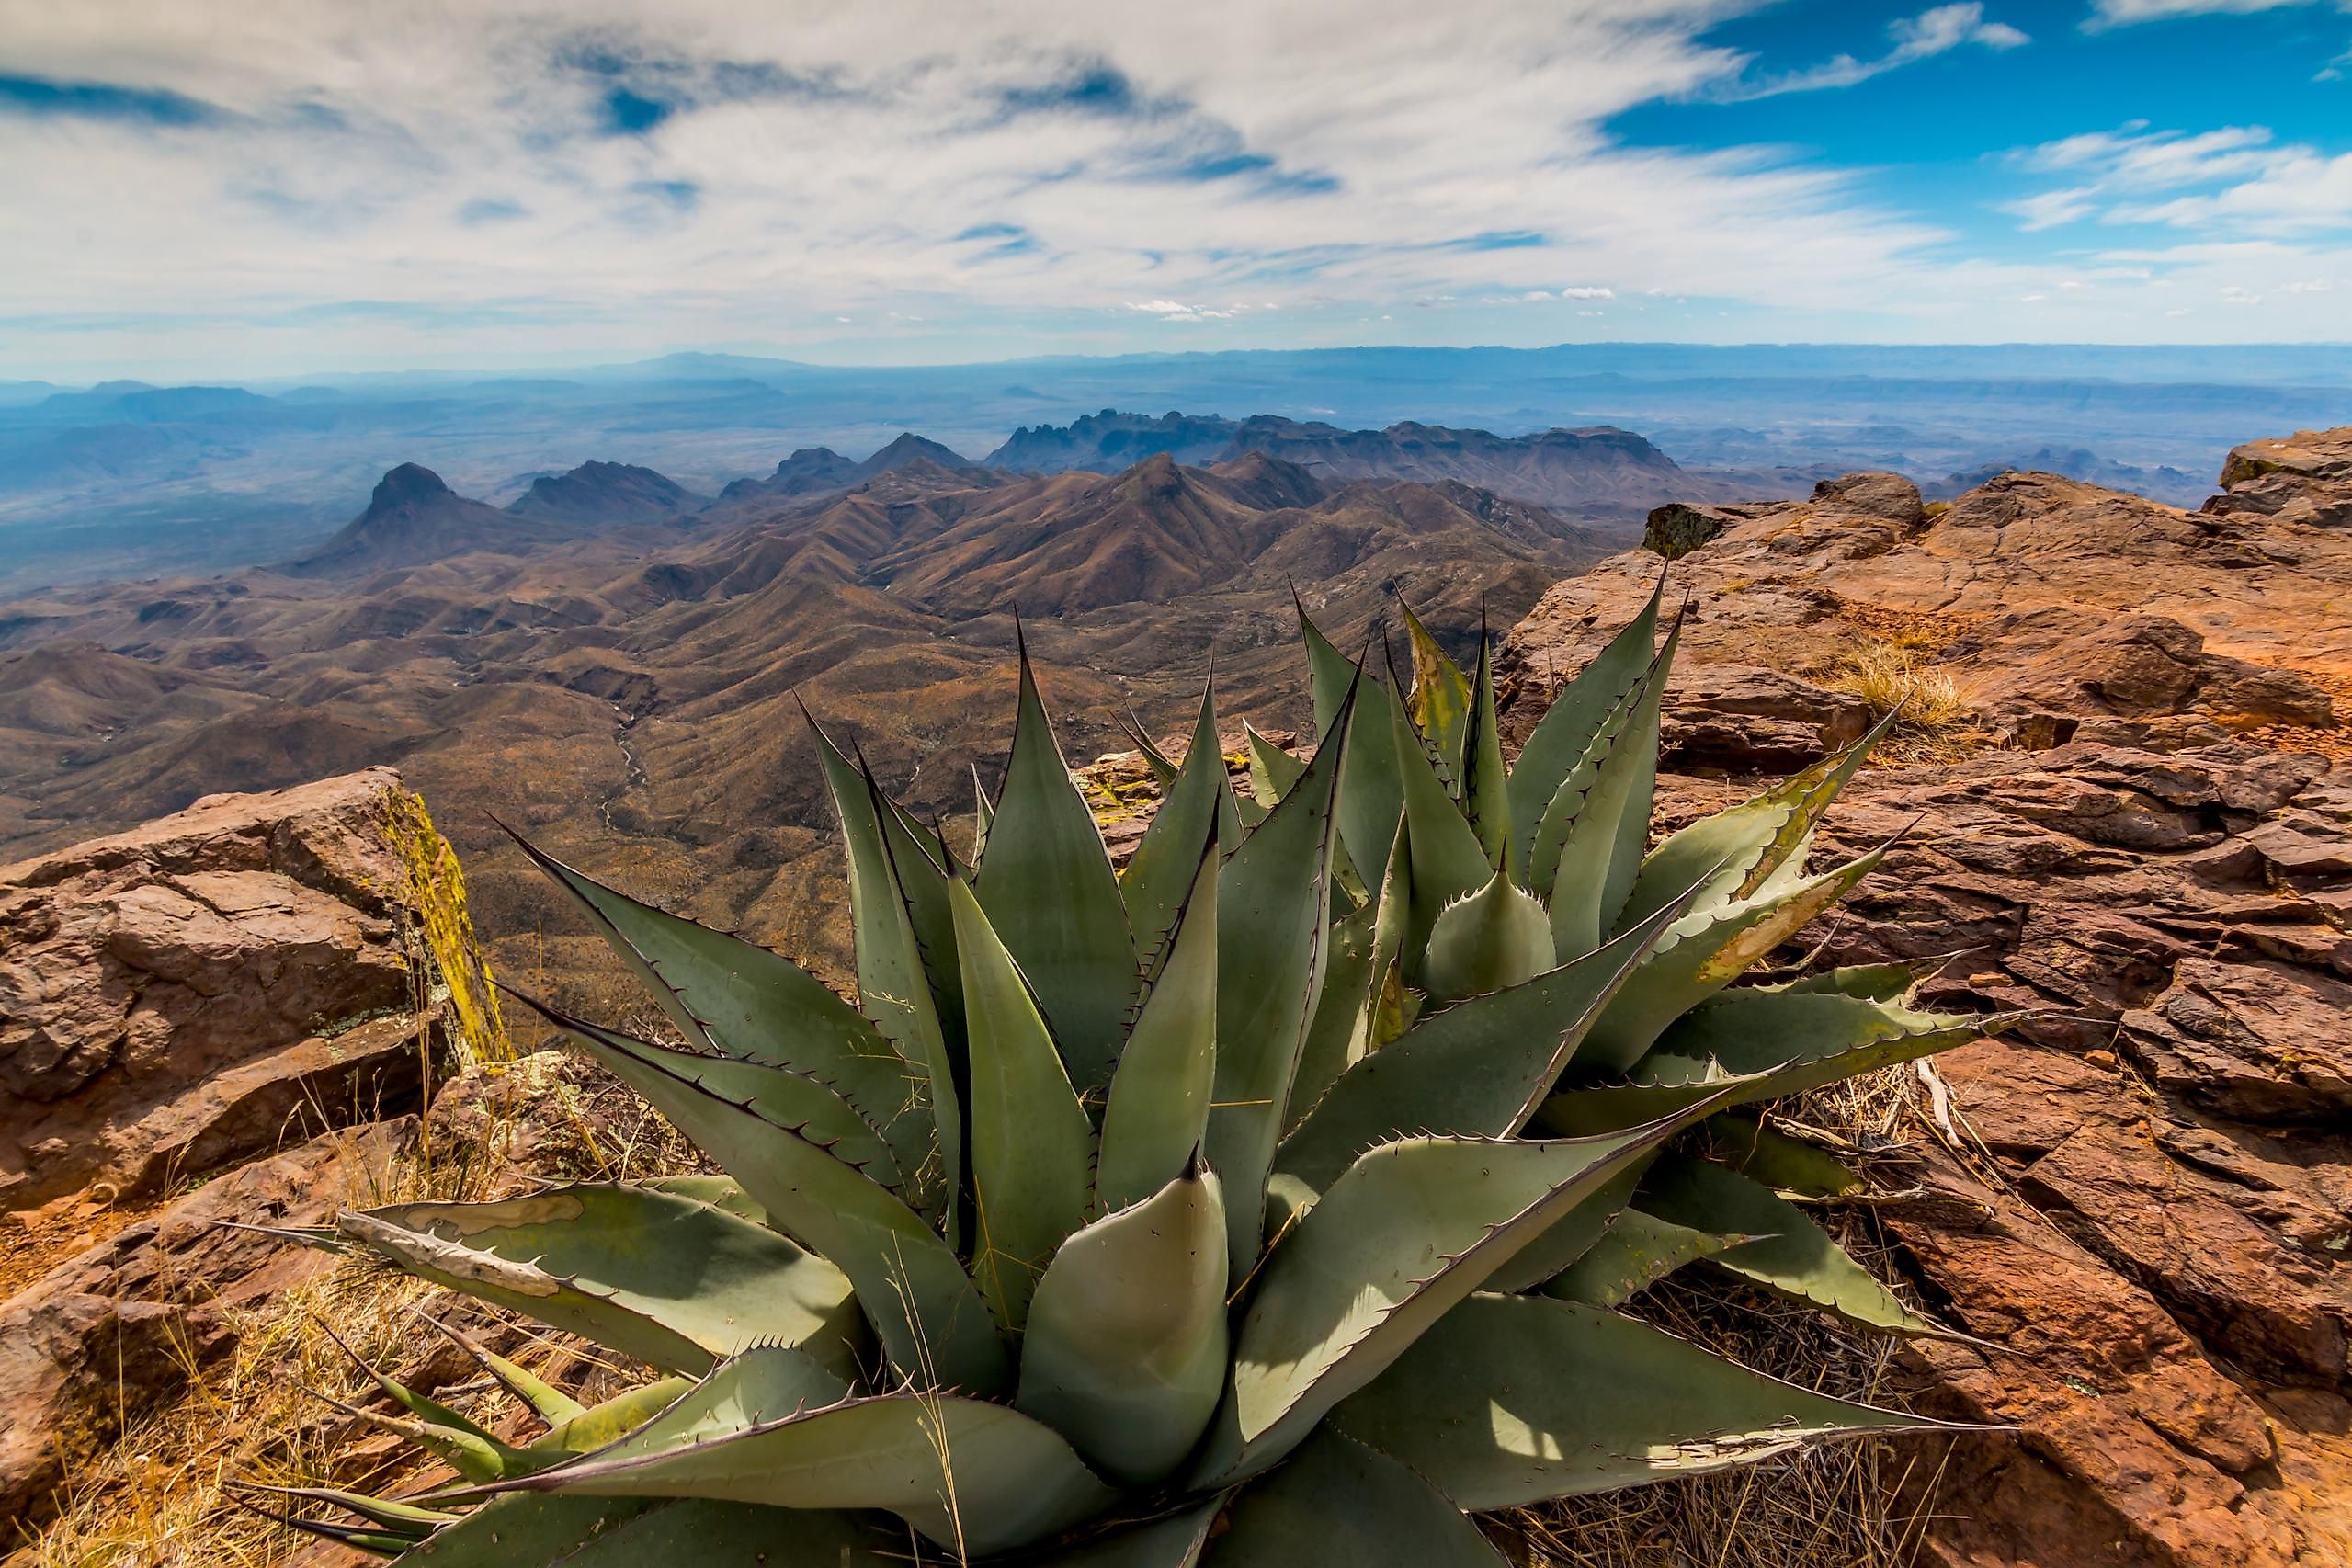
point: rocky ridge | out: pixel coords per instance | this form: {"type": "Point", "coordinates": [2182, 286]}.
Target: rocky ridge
{"type": "Point", "coordinates": [234, 988]}
{"type": "Point", "coordinates": [2144, 1206]}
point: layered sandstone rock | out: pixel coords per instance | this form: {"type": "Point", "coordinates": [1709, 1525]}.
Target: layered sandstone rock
{"type": "Point", "coordinates": [2148, 1216]}
{"type": "Point", "coordinates": [203, 988]}
{"type": "Point", "coordinates": [125, 1326]}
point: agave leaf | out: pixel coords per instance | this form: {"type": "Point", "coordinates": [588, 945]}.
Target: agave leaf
{"type": "Point", "coordinates": [1792, 1255]}
{"type": "Point", "coordinates": [719, 1191]}
{"type": "Point", "coordinates": [624, 1413]}
{"type": "Point", "coordinates": [1800, 1041]}
{"type": "Point", "coordinates": [651, 1275]}
{"type": "Point", "coordinates": [779, 1094]}
{"type": "Point", "coordinates": [1704, 951]}
{"type": "Point", "coordinates": [1196, 807]}
{"type": "Point", "coordinates": [1338, 1501]}
{"type": "Point", "coordinates": [895, 903]}
{"type": "Point", "coordinates": [1485, 788]}
{"type": "Point", "coordinates": [740, 1000]}
{"type": "Point", "coordinates": [1566, 730]}
{"type": "Point", "coordinates": [1339, 1033]}
{"type": "Point", "coordinates": [1032, 1147]}
{"type": "Point", "coordinates": [1158, 1112]}
{"type": "Point", "coordinates": [1272, 770]}
{"type": "Point", "coordinates": [1738, 848]}
{"type": "Point", "coordinates": [1597, 1109]}
{"type": "Point", "coordinates": [910, 1284]}
{"type": "Point", "coordinates": [1273, 923]}
{"type": "Point", "coordinates": [1636, 1252]}
{"type": "Point", "coordinates": [1494, 938]}
{"type": "Point", "coordinates": [702, 1534]}
{"type": "Point", "coordinates": [973, 1476]}
{"type": "Point", "coordinates": [1571, 1236]}
{"type": "Point", "coordinates": [1410, 1229]}
{"type": "Point", "coordinates": [1476, 1069]}
{"type": "Point", "coordinates": [984, 813]}
{"type": "Point", "coordinates": [1447, 860]}
{"type": "Point", "coordinates": [1053, 900]}
{"type": "Point", "coordinates": [549, 1404]}
{"type": "Point", "coordinates": [1893, 981]}
{"type": "Point", "coordinates": [1599, 820]}
{"type": "Point", "coordinates": [1373, 800]}
{"type": "Point", "coordinates": [1393, 1009]}
{"type": "Point", "coordinates": [461, 1446]}
{"type": "Point", "coordinates": [1514, 1399]}
{"type": "Point", "coordinates": [1440, 708]}
{"type": "Point", "coordinates": [401, 1518]}
{"type": "Point", "coordinates": [1163, 771]}
{"type": "Point", "coordinates": [1786, 1164]}
{"type": "Point", "coordinates": [522, 1531]}
{"type": "Point", "coordinates": [475, 1446]}
{"type": "Point", "coordinates": [1126, 1346]}
{"type": "Point", "coordinates": [1171, 1540]}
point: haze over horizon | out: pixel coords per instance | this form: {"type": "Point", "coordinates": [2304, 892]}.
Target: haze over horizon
{"type": "Point", "coordinates": [297, 189]}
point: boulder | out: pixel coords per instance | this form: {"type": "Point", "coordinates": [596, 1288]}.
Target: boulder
{"type": "Point", "coordinates": [1678, 528]}
{"type": "Point", "coordinates": [2303, 479]}
{"type": "Point", "coordinates": [202, 988]}
{"type": "Point", "coordinates": [1887, 495]}
{"type": "Point", "coordinates": [1748, 718]}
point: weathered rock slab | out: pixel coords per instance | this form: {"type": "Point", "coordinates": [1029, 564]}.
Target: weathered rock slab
{"type": "Point", "coordinates": [123, 1328]}
{"type": "Point", "coordinates": [186, 993]}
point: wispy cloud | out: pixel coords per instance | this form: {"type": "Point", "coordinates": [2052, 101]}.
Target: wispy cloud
{"type": "Point", "coordinates": [2125, 13]}
{"type": "Point", "coordinates": [2236, 178]}
{"type": "Point", "coordinates": [220, 182]}
{"type": "Point", "coordinates": [1911, 38]}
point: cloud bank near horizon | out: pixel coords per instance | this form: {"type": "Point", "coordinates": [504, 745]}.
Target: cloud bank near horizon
{"type": "Point", "coordinates": [264, 185]}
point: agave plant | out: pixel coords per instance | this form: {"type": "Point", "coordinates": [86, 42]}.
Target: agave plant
{"type": "Point", "coordinates": [1267, 1202]}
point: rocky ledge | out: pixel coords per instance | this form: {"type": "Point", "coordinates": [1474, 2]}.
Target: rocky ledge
{"type": "Point", "coordinates": [2144, 1210]}
{"type": "Point", "coordinates": [230, 989]}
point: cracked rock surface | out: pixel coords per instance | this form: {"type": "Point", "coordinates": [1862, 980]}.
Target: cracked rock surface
{"type": "Point", "coordinates": [2150, 1220]}
{"type": "Point", "coordinates": [188, 993]}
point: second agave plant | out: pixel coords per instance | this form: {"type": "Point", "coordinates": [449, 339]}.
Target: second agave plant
{"type": "Point", "coordinates": [1269, 1201]}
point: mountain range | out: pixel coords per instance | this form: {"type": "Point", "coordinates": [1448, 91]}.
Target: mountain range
{"type": "Point", "coordinates": [620, 671]}
{"type": "Point", "coordinates": [131, 478]}
{"type": "Point", "coordinates": [1594, 472]}
{"type": "Point", "coordinates": [1172, 528]}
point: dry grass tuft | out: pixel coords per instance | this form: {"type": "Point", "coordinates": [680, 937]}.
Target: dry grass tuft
{"type": "Point", "coordinates": [164, 1495]}
{"type": "Point", "coordinates": [1900, 676]}
{"type": "Point", "coordinates": [1857, 1504]}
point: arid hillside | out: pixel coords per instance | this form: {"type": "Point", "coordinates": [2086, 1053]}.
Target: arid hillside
{"type": "Point", "coordinates": [626, 683]}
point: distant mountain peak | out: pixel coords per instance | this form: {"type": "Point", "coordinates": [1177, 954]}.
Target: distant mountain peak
{"type": "Point", "coordinates": [599, 493]}
{"type": "Point", "coordinates": [906, 447]}
{"type": "Point", "coordinates": [407, 486]}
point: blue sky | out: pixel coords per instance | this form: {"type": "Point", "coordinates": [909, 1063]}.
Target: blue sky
{"type": "Point", "coordinates": [253, 187]}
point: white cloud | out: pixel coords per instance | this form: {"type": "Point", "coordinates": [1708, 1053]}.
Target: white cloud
{"type": "Point", "coordinates": [2236, 178]}
{"type": "Point", "coordinates": [1931, 32]}
{"type": "Point", "coordinates": [2124, 13]}
{"type": "Point", "coordinates": [2050, 209]}
{"type": "Point", "coordinates": [2236, 295]}
{"type": "Point", "coordinates": [506, 183]}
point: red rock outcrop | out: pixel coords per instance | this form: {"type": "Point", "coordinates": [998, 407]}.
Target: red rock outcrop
{"type": "Point", "coordinates": [2148, 1216]}
{"type": "Point", "coordinates": [124, 1327]}
{"type": "Point", "coordinates": [201, 989]}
